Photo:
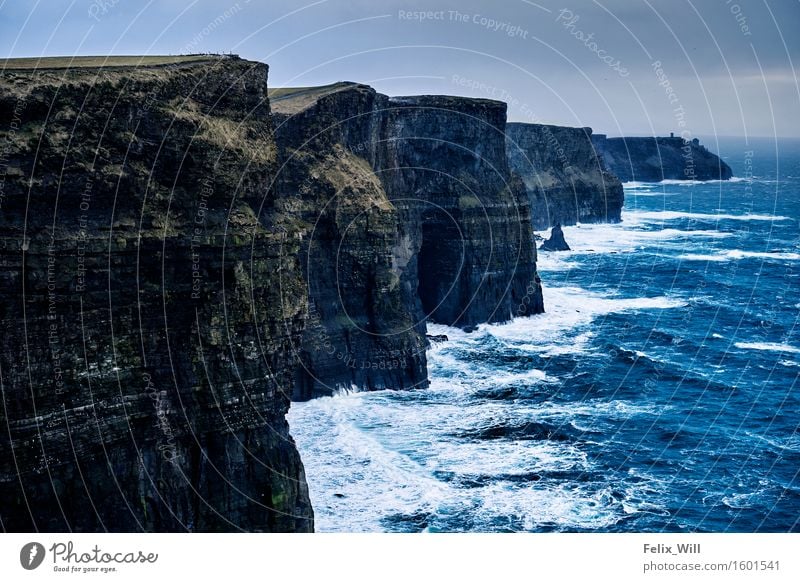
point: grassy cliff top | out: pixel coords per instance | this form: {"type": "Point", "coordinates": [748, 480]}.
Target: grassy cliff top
{"type": "Point", "coordinates": [92, 62]}
{"type": "Point", "coordinates": [292, 100]}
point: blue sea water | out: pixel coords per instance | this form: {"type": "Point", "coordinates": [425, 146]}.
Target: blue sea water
{"type": "Point", "coordinates": [658, 393]}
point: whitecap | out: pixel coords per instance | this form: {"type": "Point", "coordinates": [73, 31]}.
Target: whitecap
{"type": "Point", "coordinates": [673, 182]}
{"type": "Point", "coordinates": [768, 346]}
{"type": "Point", "coordinates": [634, 185]}
{"type": "Point", "coordinates": [629, 236]}
{"type": "Point", "coordinates": [735, 254]}
{"type": "Point", "coordinates": [567, 308]}
{"type": "Point", "coordinates": [650, 193]}
{"type": "Point", "coordinates": [661, 215]}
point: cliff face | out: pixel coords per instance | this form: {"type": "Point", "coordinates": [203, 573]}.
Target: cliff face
{"type": "Point", "coordinates": [652, 159]}
{"type": "Point", "coordinates": [362, 330]}
{"type": "Point", "coordinates": [467, 217]}
{"type": "Point", "coordinates": [151, 301]}
{"type": "Point", "coordinates": [565, 180]}
{"type": "Point", "coordinates": [412, 215]}
{"type": "Point", "coordinates": [177, 262]}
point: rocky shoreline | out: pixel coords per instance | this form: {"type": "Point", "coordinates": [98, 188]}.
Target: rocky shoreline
{"type": "Point", "coordinates": [184, 251]}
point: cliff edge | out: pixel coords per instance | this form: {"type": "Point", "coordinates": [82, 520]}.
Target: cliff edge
{"type": "Point", "coordinates": [178, 261]}
{"type": "Point", "coordinates": [652, 159]}
{"type": "Point", "coordinates": [567, 182]}
{"type": "Point", "coordinates": [151, 298]}
{"type": "Point", "coordinates": [412, 216]}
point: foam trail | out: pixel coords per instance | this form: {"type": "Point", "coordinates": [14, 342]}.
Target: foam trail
{"type": "Point", "coordinates": [768, 346]}
{"type": "Point", "coordinates": [661, 215]}
{"type": "Point", "coordinates": [737, 254]}
{"type": "Point", "coordinates": [630, 236]}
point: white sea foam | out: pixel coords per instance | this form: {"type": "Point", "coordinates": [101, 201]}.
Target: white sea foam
{"type": "Point", "coordinates": [672, 182]}
{"type": "Point", "coordinates": [369, 457]}
{"type": "Point", "coordinates": [701, 257]}
{"type": "Point", "coordinates": [555, 262]}
{"type": "Point", "coordinates": [635, 185]}
{"type": "Point", "coordinates": [565, 505]}
{"type": "Point", "coordinates": [567, 308]}
{"type": "Point", "coordinates": [741, 500]}
{"type": "Point", "coordinates": [351, 474]}
{"type": "Point", "coordinates": [734, 179]}
{"type": "Point", "coordinates": [735, 254]}
{"type": "Point", "coordinates": [632, 235]}
{"type": "Point", "coordinates": [661, 215]}
{"type": "Point", "coordinates": [650, 193]}
{"type": "Point", "coordinates": [784, 443]}
{"type": "Point", "coordinates": [768, 346]}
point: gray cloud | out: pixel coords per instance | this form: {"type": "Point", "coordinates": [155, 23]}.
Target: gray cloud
{"type": "Point", "coordinates": [726, 67]}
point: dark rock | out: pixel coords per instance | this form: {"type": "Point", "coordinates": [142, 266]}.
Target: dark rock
{"type": "Point", "coordinates": [149, 307]}
{"type": "Point", "coordinates": [412, 215]}
{"type": "Point", "coordinates": [176, 262]}
{"type": "Point", "coordinates": [466, 215]}
{"type": "Point", "coordinates": [652, 159]}
{"type": "Point", "coordinates": [360, 329]}
{"type": "Point", "coordinates": [556, 241]}
{"type": "Point", "coordinates": [438, 338]}
{"type": "Point", "coordinates": [566, 181]}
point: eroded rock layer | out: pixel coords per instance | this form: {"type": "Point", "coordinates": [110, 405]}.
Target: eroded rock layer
{"type": "Point", "coordinates": [652, 159]}
{"type": "Point", "coordinates": [412, 215]}
{"type": "Point", "coordinates": [566, 181]}
{"type": "Point", "coordinates": [150, 300]}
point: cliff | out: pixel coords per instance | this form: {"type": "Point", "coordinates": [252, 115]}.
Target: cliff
{"type": "Point", "coordinates": [652, 159]}
{"type": "Point", "coordinates": [413, 216]}
{"type": "Point", "coordinates": [151, 299]}
{"type": "Point", "coordinates": [178, 260]}
{"type": "Point", "coordinates": [361, 331]}
{"type": "Point", "coordinates": [566, 181]}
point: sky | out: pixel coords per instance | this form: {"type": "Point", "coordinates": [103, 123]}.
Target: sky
{"type": "Point", "coordinates": [622, 67]}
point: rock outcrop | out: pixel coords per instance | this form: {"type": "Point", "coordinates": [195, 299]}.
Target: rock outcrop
{"type": "Point", "coordinates": [556, 242]}
{"type": "Point", "coordinates": [151, 299]}
{"type": "Point", "coordinates": [177, 262]}
{"type": "Point", "coordinates": [413, 216]}
{"type": "Point", "coordinates": [361, 331]}
{"type": "Point", "coordinates": [652, 159]}
{"type": "Point", "coordinates": [566, 181]}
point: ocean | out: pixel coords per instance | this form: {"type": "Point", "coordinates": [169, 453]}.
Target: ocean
{"type": "Point", "coordinates": [658, 393]}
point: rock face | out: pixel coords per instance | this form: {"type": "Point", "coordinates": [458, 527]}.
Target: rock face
{"type": "Point", "coordinates": [151, 303]}
{"type": "Point", "coordinates": [445, 166]}
{"type": "Point", "coordinates": [413, 215]}
{"type": "Point", "coordinates": [361, 331]}
{"type": "Point", "coordinates": [566, 181]}
{"type": "Point", "coordinates": [652, 159]}
{"type": "Point", "coordinates": [556, 242]}
{"type": "Point", "coordinates": [177, 262]}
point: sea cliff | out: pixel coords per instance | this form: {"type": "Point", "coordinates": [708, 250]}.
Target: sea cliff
{"type": "Point", "coordinates": [567, 182]}
{"type": "Point", "coordinates": [652, 159]}
{"type": "Point", "coordinates": [178, 261]}
{"type": "Point", "coordinates": [151, 299]}
{"type": "Point", "coordinates": [413, 216]}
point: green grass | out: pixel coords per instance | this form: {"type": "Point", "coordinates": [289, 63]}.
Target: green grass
{"type": "Point", "coordinates": [292, 100]}
{"type": "Point", "coordinates": [33, 63]}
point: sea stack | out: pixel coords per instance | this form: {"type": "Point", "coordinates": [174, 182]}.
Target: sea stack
{"type": "Point", "coordinates": [556, 242]}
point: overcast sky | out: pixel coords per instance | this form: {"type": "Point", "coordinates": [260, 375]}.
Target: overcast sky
{"type": "Point", "coordinates": [727, 67]}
